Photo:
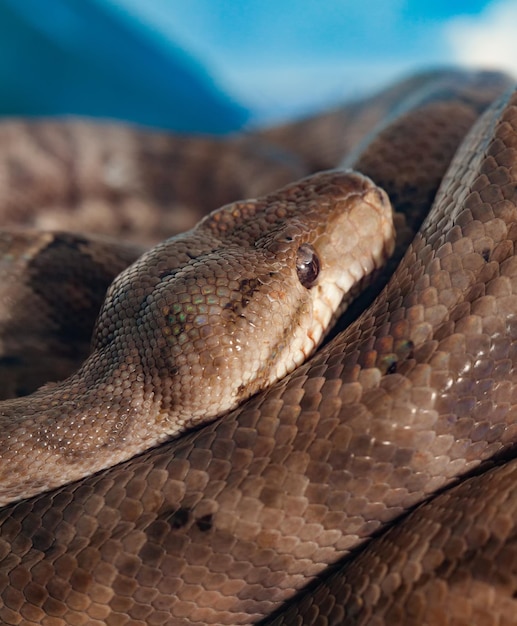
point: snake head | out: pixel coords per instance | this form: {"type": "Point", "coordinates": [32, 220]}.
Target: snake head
{"type": "Point", "coordinates": [218, 313]}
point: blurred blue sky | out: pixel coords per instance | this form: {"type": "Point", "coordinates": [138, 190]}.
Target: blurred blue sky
{"type": "Point", "coordinates": [219, 64]}
{"type": "Point", "coordinates": [285, 56]}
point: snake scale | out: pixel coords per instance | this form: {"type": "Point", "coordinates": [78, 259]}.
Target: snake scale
{"type": "Point", "coordinates": [372, 485]}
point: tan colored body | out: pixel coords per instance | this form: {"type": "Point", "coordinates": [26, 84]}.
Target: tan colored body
{"type": "Point", "coordinates": [226, 524]}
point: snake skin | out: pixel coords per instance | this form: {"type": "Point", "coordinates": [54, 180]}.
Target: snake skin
{"type": "Point", "coordinates": [226, 524]}
{"type": "Point", "coordinates": [128, 182]}
{"type": "Point", "coordinates": [64, 277]}
{"type": "Point", "coordinates": [185, 333]}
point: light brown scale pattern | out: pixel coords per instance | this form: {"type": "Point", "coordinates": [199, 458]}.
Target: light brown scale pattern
{"type": "Point", "coordinates": [224, 525]}
{"type": "Point", "coordinates": [178, 342]}
{"type": "Point", "coordinates": [129, 182]}
{"type": "Point", "coordinates": [452, 561]}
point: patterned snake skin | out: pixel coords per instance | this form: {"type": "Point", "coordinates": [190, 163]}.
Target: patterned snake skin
{"type": "Point", "coordinates": [412, 404]}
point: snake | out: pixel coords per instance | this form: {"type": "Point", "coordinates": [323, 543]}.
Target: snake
{"type": "Point", "coordinates": [371, 485]}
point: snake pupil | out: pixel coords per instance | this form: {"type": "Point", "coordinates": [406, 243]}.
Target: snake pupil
{"type": "Point", "coordinates": [307, 265]}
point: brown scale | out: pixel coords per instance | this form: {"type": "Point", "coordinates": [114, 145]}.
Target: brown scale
{"type": "Point", "coordinates": [229, 522]}
{"type": "Point", "coordinates": [171, 348]}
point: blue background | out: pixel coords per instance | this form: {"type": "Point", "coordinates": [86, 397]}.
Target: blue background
{"type": "Point", "coordinates": [217, 65]}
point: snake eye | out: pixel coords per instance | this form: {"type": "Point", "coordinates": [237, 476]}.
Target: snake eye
{"type": "Point", "coordinates": [307, 265]}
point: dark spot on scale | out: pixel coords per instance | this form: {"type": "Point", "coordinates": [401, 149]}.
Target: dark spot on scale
{"type": "Point", "coordinates": [404, 349]}
{"type": "Point", "coordinates": [175, 520]}
{"type": "Point", "coordinates": [240, 299]}
{"type": "Point", "coordinates": [485, 254]}
{"type": "Point", "coordinates": [388, 363]}
{"type": "Point", "coordinates": [248, 286]}
{"type": "Point", "coordinates": [392, 368]}
{"type": "Point", "coordinates": [180, 517]}
{"type": "Point", "coordinates": [205, 523]}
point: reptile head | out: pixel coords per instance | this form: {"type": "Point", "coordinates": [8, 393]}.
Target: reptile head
{"type": "Point", "coordinates": [224, 310]}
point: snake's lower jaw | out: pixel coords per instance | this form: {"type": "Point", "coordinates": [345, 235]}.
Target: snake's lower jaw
{"type": "Point", "coordinates": [354, 256]}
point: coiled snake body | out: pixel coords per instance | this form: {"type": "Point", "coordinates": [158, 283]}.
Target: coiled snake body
{"type": "Point", "coordinates": [225, 524]}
